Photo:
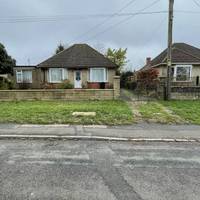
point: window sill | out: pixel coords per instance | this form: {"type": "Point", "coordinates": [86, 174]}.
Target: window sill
{"type": "Point", "coordinates": [182, 81]}
{"type": "Point", "coordinates": [55, 82]}
{"type": "Point", "coordinates": [23, 83]}
{"type": "Point", "coordinates": [97, 81]}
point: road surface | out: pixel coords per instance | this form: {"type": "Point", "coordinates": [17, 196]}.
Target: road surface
{"type": "Point", "coordinates": [89, 170]}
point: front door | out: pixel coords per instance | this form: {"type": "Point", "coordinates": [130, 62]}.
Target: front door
{"type": "Point", "coordinates": [77, 79]}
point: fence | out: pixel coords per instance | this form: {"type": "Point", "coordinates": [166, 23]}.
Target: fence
{"type": "Point", "coordinates": [181, 89]}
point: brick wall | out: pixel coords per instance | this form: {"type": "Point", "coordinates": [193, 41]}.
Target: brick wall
{"type": "Point", "coordinates": [181, 93]}
{"type": "Point", "coordinates": [70, 94]}
{"type": "Point", "coordinates": [116, 86]}
{"type": "Point", "coordinates": [185, 93]}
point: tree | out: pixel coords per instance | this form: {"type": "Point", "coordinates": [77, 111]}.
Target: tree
{"type": "Point", "coordinates": [6, 62]}
{"type": "Point", "coordinates": [118, 56]}
{"type": "Point", "coordinates": [60, 48]}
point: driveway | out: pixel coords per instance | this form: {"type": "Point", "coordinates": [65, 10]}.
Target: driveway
{"type": "Point", "coordinates": [88, 170]}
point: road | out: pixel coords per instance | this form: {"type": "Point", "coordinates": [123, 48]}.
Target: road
{"type": "Point", "coordinates": [89, 170]}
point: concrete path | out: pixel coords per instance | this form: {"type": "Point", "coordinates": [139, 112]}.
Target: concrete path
{"type": "Point", "coordinates": [147, 131]}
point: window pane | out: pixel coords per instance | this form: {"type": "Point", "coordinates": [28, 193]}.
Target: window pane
{"type": "Point", "coordinates": [65, 74]}
{"type": "Point", "coordinates": [183, 73]}
{"type": "Point", "coordinates": [56, 75]}
{"type": "Point", "coordinates": [27, 76]}
{"type": "Point", "coordinates": [19, 76]}
{"type": "Point", "coordinates": [97, 75]}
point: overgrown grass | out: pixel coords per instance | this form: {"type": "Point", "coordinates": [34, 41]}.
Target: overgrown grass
{"type": "Point", "coordinates": [60, 112]}
{"type": "Point", "coordinates": [157, 112]}
{"type": "Point", "coordinates": [188, 110]}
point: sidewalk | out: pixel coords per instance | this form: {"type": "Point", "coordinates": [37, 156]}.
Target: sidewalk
{"type": "Point", "coordinates": [137, 131]}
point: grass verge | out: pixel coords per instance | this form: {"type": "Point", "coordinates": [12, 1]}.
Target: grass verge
{"type": "Point", "coordinates": [188, 110]}
{"type": "Point", "coordinates": [158, 113]}
{"type": "Point", "coordinates": [60, 112]}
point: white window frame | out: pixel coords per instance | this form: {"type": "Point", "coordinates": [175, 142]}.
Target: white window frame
{"type": "Point", "coordinates": [64, 70]}
{"type": "Point", "coordinates": [20, 72]}
{"type": "Point", "coordinates": [175, 72]}
{"type": "Point", "coordinates": [105, 74]}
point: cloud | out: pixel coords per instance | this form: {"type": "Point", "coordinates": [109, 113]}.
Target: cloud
{"type": "Point", "coordinates": [143, 35]}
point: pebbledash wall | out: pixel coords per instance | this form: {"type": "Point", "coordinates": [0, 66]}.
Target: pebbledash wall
{"type": "Point", "coordinates": [63, 94]}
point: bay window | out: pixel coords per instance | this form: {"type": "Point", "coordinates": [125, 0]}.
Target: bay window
{"type": "Point", "coordinates": [57, 75]}
{"type": "Point", "coordinates": [183, 72]}
{"type": "Point", "coordinates": [24, 76]}
{"type": "Point", "coordinates": [98, 75]}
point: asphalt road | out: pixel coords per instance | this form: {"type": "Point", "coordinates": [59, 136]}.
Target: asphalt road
{"type": "Point", "coordinates": [88, 170]}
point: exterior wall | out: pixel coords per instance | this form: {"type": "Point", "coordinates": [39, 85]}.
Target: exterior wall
{"type": "Point", "coordinates": [71, 94]}
{"type": "Point", "coordinates": [40, 78]}
{"type": "Point", "coordinates": [193, 82]}
{"type": "Point", "coordinates": [84, 76]}
{"type": "Point", "coordinates": [35, 78]}
{"type": "Point", "coordinates": [163, 70]}
{"type": "Point", "coordinates": [63, 94]}
{"type": "Point", "coordinates": [195, 70]}
{"type": "Point", "coordinates": [111, 74]}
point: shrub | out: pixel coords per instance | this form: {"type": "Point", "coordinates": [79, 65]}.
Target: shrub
{"type": "Point", "coordinates": [48, 86]}
{"type": "Point", "coordinates": [66, 85]}
{"type": "Point", "coordinates": [6, 84]}
{"type": "Point", "coordinates": [124, 78]}
{"type": "Point", "coordinates": [24, 86]}
{"type": "Point", "coordinates": [148, 79]}
{"type": "Point", "coordinates": [131, 85]}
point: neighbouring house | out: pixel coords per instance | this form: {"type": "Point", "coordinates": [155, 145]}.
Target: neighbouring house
{"type": "Point", "coordinates": [185, 69]}
{"type": "Point", "coordinates": [80, 64]}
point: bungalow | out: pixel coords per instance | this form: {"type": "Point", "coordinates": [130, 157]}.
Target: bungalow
{"type": "Point", "coordinates": [80, 64]}
{"type": "Point", "coordinates": [185, 69]}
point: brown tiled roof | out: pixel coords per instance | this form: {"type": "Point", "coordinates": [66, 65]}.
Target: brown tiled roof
{"type": "Point", "coordinates": [76, 56]}
{"type": "Point", "coordinates": [181, 53]}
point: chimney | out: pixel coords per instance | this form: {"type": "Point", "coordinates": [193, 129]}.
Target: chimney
{"type": "Point", "coordinates": [148, 61]}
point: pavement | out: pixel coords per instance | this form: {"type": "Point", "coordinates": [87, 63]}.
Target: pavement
{"type": "Point", "coordinates": [136, 132]}
{"type": "Point", "coordinates": [98, 170]}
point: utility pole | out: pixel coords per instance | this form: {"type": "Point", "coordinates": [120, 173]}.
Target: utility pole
{"type": "Point", "coordinates": [169, 51]}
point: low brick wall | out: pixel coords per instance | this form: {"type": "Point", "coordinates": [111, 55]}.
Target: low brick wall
{"type": "Point", "coordinates": [69, 94]}
{"type": "Point", "coordinates": [185, 93]}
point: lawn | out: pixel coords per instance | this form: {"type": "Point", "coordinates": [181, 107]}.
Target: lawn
{"type": "Point", "coordinates": [188, 110]}
{"type": "Point", "coordinates": [60, 112]}
{"type": "Point", "coordinates": [156, 112]}
{"type": "Point", "coordinates": [171, 112]}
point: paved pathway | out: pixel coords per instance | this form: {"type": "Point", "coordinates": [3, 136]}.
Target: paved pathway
{"type": "Point", "coordinates": [142, 130]}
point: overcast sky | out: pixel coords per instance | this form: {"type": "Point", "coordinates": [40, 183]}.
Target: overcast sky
{"type": "Point", "coordinates": [143, 35]}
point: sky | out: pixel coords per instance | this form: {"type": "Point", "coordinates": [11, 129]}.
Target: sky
{"type": "Point", "coordinates": [31, 29]}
